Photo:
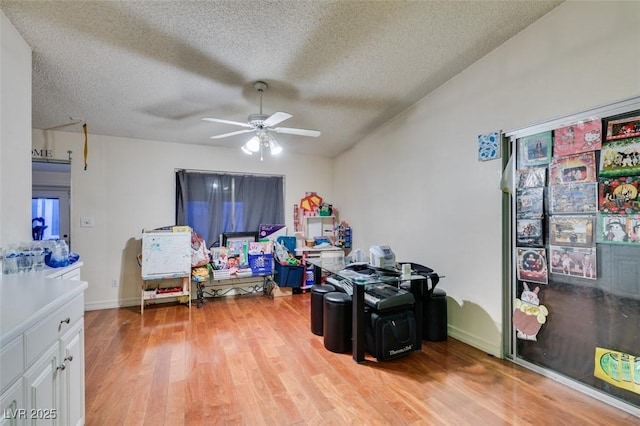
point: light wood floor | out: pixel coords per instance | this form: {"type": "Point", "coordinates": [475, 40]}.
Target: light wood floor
{"type": "Point", "coordinates": [250, 360]}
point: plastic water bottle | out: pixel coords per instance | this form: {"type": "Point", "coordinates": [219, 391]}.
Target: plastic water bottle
{"type": "Point", "coordinates": [309, 278]}
{"type": "Point", "coordinates": [64, 252]}
{"type": "Point", "coordinates": [60, 254]}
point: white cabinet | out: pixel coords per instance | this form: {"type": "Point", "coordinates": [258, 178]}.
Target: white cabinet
{"type": "Point", "coordinates": [12, 404]}
{"type": "Point", "coordinates": [41, 384]}
{"type": "Point", "coordinates": [71, 272]}
{"type": "Point", "coordinates": [71, 377]}
{"type": "Point", "coordinates": [55, 381]}
{"type": "Point", "coordinates": [42, 352]}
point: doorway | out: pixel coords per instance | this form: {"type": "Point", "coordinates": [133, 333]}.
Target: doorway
{"type": "Point", "coordinates": [51, 200]}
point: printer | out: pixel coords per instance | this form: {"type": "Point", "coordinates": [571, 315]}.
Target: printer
{"type": "Point", "coordinates": [382, 257]}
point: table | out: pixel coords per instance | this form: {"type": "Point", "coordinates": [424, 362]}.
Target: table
{"type": "Point", "coordinates": [418, 286]}
{"type": "Point", "coordinates": [218, 287]}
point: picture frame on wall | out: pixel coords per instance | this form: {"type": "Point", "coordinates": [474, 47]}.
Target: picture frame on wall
{"type": "Point", "coordinates": [577, 198]}
{"type": "Point", "coordinates": [619, 195]}
{"type": "Point", "coordinates": [620, 158]}
{"type": "Point", "coordinates": [570, 230]}
{"type": "Point", "coordinates": [534, 150]}
{"type": "Point", "coordinates": [578, 168]}
{"type": "Point", "coordinates": [583, 136]}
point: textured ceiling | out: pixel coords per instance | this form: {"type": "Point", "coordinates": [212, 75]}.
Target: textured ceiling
{"type": "Point", "coordinates": [153, 69]}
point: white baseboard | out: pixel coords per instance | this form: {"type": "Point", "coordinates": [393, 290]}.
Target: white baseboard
{"type": "Point", "coordinates": [475, 341]}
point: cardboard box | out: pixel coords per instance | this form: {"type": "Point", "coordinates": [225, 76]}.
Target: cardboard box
{"type": "Point", "coordinates": [272, 232]}
{"type": "Point", "coordinates": [280, 291]}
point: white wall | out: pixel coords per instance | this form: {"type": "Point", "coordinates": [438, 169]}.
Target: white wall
{"type": "Point", "coordinates": [15, 135]}
{"type": "Point", "coordinates": [417, 185]}
{"type": "Point", "coordinates": [129, 185]}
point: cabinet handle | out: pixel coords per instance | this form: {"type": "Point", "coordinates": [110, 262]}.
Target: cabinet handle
{"type": "Point", "coordinates": [66, 320]}
{"type": "Point", "coordinates": [64, 363]}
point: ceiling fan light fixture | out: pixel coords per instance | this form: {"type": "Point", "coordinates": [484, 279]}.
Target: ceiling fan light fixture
{"type": "Point", "coordinates": [275, 147]}
{"type": "Point", "coordinates": [246, 150]}
{"type": "Point", "coordinates": [262, 125]}
{"type": "Point", "coordinates": [254, 144]}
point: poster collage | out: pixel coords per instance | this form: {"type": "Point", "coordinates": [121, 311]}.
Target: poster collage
{"type": "Point", "coordinates": [591, 172]}
{"type": "Point", "coordinates": [575, 187]}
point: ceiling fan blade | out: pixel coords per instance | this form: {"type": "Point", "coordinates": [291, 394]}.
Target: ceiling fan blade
{"type": "Point", "coordinates": [301, 132]}
{"type": "Point", "coordinates": [235, 123]}
{"type": "Point", "coordinates": [239, 132]}
{"type": "Point", "coordinates": [276, 117]}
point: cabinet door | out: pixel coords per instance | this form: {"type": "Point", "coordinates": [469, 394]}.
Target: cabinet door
{"type": "Point", "coordinates": [12, 405]}
{"type": "Point", "coordinates": [41, 383]}
{"type": "Point", "coordinates": [72, 376]}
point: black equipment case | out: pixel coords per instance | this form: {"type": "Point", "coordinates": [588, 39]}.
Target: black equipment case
{"type": "Point", "coordinates": [390, 335]}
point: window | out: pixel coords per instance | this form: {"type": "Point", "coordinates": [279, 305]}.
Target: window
{"type": "Point", "coordinates": [45, 215]}
{"type": "Point", "coordinates": [213, 203]}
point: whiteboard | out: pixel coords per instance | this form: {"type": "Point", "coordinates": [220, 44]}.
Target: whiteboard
{"type": "Point", "coordinates": [166, 255]}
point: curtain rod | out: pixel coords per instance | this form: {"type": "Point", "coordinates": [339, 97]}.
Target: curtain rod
{"type": "Point", "coordinates": [226, 173]}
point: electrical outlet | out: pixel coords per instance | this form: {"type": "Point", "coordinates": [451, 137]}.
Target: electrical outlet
{"type": "Point", "coordinates": [114, 283]}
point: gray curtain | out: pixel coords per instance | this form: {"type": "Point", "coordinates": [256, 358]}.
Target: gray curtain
{"type": "Point", "coordinates": [215, 203]}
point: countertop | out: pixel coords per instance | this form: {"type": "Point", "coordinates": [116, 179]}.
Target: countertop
{"type": "Point", "coordinates": [27, 298]}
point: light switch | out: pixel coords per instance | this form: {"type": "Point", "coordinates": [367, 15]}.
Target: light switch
{"type": "Point", "coordinates": [86, 222]}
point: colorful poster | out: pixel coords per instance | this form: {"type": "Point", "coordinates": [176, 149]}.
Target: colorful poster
{"type": "Point", "coordinates": [578, 198]}
{"type": "Point", "coordinates": [619, 195]}
{"type": "Point", "coordinates": [571, 230]}
{"type": "Point", "coordinates": [633, 228]}
{"type": "Point", "coordinates": [619, 369]}
{"type": "Point", "coordinates": [532, 265]}
{"type": "Point", "coordinates": [529, 203]}
{"type": "Point", "coordinates": [574, 261]}
{"type": "Point", "coordinates": [620, 158]}
{"type": "Point", "coordinates": [580, 137]}
{"type": "Point", "coordinates": [619, 229]}
{"type": "Point", "coordinates": [529, 232]}
{"type": "Point", "coordinates": [623, 128]}
{"type": "Point", "coordinates": [580, 168]}
{"type": "Point", "coordinates": [531, 178]}
{"type": "Point", "coordinates": [534, 150]}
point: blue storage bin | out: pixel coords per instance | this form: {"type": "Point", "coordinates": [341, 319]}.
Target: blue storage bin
{"type": "Point", "coordinates": [288, 242]}
{"type": "Point", "coordinates": [289, 276]}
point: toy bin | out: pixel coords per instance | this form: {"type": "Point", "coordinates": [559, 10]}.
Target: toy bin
{"type": "Point", "coordinates": [289, 276]}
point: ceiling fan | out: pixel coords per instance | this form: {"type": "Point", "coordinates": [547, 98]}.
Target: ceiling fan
{"type": "Point", "coordinates": [262, 125]}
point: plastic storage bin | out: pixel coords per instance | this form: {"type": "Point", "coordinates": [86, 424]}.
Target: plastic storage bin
{"type": "Point", "coordinates": [289, 276]}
